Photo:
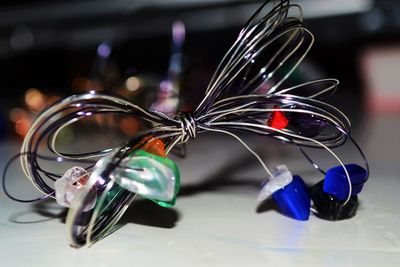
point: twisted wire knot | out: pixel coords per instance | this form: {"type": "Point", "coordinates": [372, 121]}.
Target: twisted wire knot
{"type": "Point", "coordinates": [188, 126]}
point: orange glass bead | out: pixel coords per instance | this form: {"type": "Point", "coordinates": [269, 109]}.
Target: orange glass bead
{"type": "Point", "coordinates": [155, 146]}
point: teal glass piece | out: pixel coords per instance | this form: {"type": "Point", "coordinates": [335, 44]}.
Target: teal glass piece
{"type": "Point", "coordinates": [110, 196]}
{"type": "Point", "coordinates": [151, 176]}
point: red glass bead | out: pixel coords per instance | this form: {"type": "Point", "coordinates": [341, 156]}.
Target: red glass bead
{"type": "Point", "coordinates": [278, 120]}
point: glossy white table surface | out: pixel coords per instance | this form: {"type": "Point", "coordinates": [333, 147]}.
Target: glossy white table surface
{"type": "Point", "coordinates": [216, 221]}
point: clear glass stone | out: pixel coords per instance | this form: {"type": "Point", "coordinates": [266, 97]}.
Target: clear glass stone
{"type": "Point", "coordinates": [72, 183]}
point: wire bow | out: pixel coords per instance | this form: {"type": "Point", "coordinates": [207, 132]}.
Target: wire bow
{"type": "Point", "coordinates": [247, 93]}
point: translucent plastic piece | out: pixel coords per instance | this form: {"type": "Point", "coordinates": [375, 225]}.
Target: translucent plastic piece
{"type": "Point", "coordinates": [281, 177]}
{"type": "Point", "coordinates": [294, 200]}
{"type": "Point", "coordinates": [150, 176]}
{"type": "Point", "coordinates": [70, 184]}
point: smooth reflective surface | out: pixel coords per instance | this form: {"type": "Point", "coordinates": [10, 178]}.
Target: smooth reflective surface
{"type": "Point", "coordinates": [150, 176]}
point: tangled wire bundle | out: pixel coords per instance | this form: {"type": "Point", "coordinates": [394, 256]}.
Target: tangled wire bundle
{"type": "Point", "coordinates": [247, 94]}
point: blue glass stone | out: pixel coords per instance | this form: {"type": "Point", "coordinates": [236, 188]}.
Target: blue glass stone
{"type": "Point", "coordinates": [336, 183]}
{"type": "Point", "coordinates": [294, 200]}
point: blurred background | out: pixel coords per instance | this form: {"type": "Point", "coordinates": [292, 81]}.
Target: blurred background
{"type": "Point", "coordinates": [51, 49]}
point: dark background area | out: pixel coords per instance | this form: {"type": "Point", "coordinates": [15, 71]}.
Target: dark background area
{"type": "Point", "coordinates": [47, 44]}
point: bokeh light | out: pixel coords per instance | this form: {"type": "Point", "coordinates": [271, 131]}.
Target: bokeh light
{"type": "Point", "coordinates": [129, 126]}
{"type": "Point", "coordinates": [34, 99]}
{"type": "Point", "coordinates": [133, 84]}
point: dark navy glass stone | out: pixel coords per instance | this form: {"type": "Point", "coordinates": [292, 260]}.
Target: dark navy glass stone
{"type": "Point", "coordinates": [336, 184]}
{"type": "Point", "coordinates": [329, 207]}
{"type": "Point", "coordinates": [308, 125]}
{"type": "Point", "coordinates": [294, 200]}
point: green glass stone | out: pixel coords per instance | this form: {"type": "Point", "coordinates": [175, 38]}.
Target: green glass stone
{"type": "Point", "coordinates": [109, 197]}
{"type": "Point", "coordinates": [153, 177]}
